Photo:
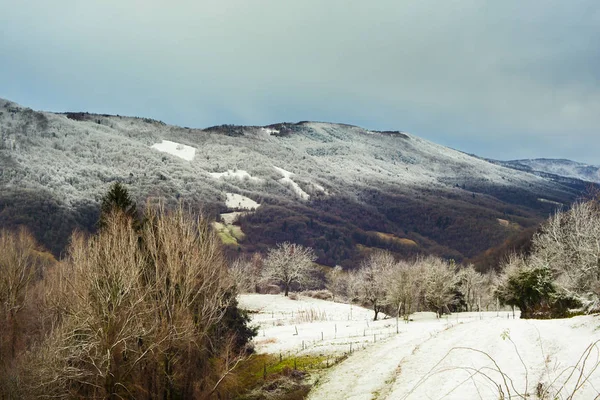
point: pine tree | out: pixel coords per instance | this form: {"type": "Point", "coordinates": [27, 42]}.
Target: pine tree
{"type": "Point", "coordinates": [117, 198]}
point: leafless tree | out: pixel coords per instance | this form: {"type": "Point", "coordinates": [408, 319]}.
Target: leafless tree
{"type": "Point", "coordinates": [404, 287]}
{"type": "Point", "coordinates": [373, 275]}
{"type": "Point", "coordinates": [136, 311]}
{"type": "Point", "coordinates": [337, 282]}
{"type": "Point", "coordinates": [246, 273]}
{"type": "Point", "coordinates": [17, 268]}
{"type": "Point", "coordinates": [289, 264]}
{"type": "Point", "coordinates": [471, 285]}
{"type": "Point", "coordinates": [439, 283]}
{"type": "Point", "coordinates": [569, 244]}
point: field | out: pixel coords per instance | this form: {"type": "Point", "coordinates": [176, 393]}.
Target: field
{"type": "Point", "coordinates": [461, 356]}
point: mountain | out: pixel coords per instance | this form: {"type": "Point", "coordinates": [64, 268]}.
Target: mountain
{"type": "Point", "coordinates": [341, 189]}
{"type": "Point", "coordinates": [557, 167]}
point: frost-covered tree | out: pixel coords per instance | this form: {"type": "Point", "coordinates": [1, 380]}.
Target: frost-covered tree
{"type": "Point", "coordinates": [569, 244]}
{"type": "Point", "coordinates": [439, 284]}
{"type": "Point", "coordinates": [403, 287]}
{"type": "Point", "coordinates": [528, 286]}
{"type": "Point", "coordinates": [246, 273]}
{"type": "Point", "coordinates": [337, 282]}
{"type": "Point", "coordinates": [289, 264]}
{"type": "Point", "coordinates": [372, 276]}
{"type": "Point", "coordinates": [471, 285]}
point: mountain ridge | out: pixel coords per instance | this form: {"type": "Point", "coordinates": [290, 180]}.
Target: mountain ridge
{"type": "Point", "coordinates": [339, 188]}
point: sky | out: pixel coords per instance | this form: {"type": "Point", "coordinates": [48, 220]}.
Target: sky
{"type": "Point", "coordinates": [501, 79]}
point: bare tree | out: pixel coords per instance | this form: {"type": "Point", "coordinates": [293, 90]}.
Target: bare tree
{"type": "Point", "coordinates": [439, 283]}
{"type": "Point", "coordinates": [569, 244]}
{"type": "Point", "coordinates": [246, 273]}
{"type": "Point", "coordinates": [403, 287]}
{"type": "Point", "coordinates": [289, 264]}
{"type": "Point", "coordinates": [373, 275]}
{"type": "Point", "coordinates": [471, 285]}
{"type": "Point", "coordinates": [337, 282]}
{"type": "Point", "coordinates": [19, 263]}
{"type": "Point", "coordinates": [136, 311]}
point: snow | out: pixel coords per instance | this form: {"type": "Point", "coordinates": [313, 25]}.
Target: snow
{"type": "Point", "coordinates": [270, 131]}
{"type": "Point", "coordinates": [429, 357]}
{"type": "Point", "coordinates": [229, 218]}
{"type": "Point", "coordinates": [177, 149]}
{"type": "Point", "coordinates": [565, 168]}
{"type": "Point", "coordinates": [237, 201]}
{"type": "Point", "coordinates": [238, 174]}
{"type": "Point", "coordinates": [288, 180]}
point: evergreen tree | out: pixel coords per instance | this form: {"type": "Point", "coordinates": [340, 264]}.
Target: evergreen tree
{"type": "Point", "coordinates": [117, 198]}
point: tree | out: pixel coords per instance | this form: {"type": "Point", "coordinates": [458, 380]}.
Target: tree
{"type": "Point", "coordinates": [569, 244]}
{"type": "Point", "coordinates": [118, 198]}
{"type": "Point", "coordinates": [289, 264]}
{"type": "Point", "coordinates": [403, 287]}
{"type": "Point", "coordinates": [439, 284]}
{"type": "Point", "coordinates": [337, 282]}
{"type": "Point", "coordinates": [528, 287]}
{"type": "Point", "coordinates": [470, 285]}
{"type": "Point", "coordinates": [20, 264]}
{"type": "Point", "coordinates": [373, 274]}
{"type": "Point", "coordinates": [247, 273]}
{"type": "Point", "coordinates": [142, 312]}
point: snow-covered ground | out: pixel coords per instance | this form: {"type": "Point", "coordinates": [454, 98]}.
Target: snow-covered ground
{"type": "Point", "coordinates": [237, 201]}
{"type": "Point", "coordinates": [288, 181]}
{"type": "Point", "coordinates": [456, 357]}
{"type": "Point", "coordinates": [177, 149]}
{"type": "Point", "coordinates": [237, 174]}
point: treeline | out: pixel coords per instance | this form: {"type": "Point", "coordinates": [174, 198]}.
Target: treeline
{"type": "Point", "coordinates": [145, 309]}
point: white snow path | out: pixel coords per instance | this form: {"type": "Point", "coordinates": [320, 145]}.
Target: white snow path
{"type": "Point", "coordinates": [368, 372]}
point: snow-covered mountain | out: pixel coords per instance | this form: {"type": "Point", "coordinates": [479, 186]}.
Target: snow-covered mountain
{"type": "Point", "coordinates": [565, 168]}
{"type": "Point", "coordinates": [339, 188]}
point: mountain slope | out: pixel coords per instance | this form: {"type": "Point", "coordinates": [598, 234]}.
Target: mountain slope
{"type": "Point", "coordinates": [564, 168]}
{"type": "Point", "coordinates": [339, 188]}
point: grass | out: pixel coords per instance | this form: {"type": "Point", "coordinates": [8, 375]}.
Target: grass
{"type": "Point", "coordinates": [229, 234]}
{"type": "Point", "coordinates": [278, 376]}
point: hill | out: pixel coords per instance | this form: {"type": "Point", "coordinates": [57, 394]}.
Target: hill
{"type": "Point", "coordinates": [341, 189]}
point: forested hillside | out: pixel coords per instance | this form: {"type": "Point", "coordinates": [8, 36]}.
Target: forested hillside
{"type": "Point", "coordinates": [340, 189]}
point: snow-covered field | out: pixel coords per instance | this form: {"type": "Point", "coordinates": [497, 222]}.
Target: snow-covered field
{"type": "Point", "coordinates": [176, 149]}
{"type": "Point", "coordinates": [237, 201]}
{"type": "Point", "coordinates": [237, 174]}
{"type": "Point", "coordinates": [462, 356]}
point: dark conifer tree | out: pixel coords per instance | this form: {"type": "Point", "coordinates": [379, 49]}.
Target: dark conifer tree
{"type": "Point", "coordinates": [117, 198]}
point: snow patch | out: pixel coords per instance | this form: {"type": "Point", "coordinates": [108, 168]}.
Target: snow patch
{"type": "Point", "coordinates": [288, 181]}
{"type": "Point", "coordinates": [231, 217]}
{"type": "Point", "coordinates": [239, 174]}
{"type": "Point", "coordinates": [237, 201]}
{"type": "Point", "coordinates": [270, 131]}
{"type": "Point", "coordinates": [176, 149]}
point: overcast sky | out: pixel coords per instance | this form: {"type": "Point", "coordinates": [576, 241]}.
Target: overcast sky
{"type": "Point", "coordinates": [504, 79]}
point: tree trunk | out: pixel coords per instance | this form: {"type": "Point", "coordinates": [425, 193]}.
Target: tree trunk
{"type": "Point", "coordinates": [287, 290]}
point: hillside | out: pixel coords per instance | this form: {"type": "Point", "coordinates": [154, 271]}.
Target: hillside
{"type": "Point", "coordinates": [562, 168]}
{"type": "Point", "coordinates": [338, 188]}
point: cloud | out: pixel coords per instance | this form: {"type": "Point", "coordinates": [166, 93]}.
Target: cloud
{"type": "Point", "coordinates": [484, 77]}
